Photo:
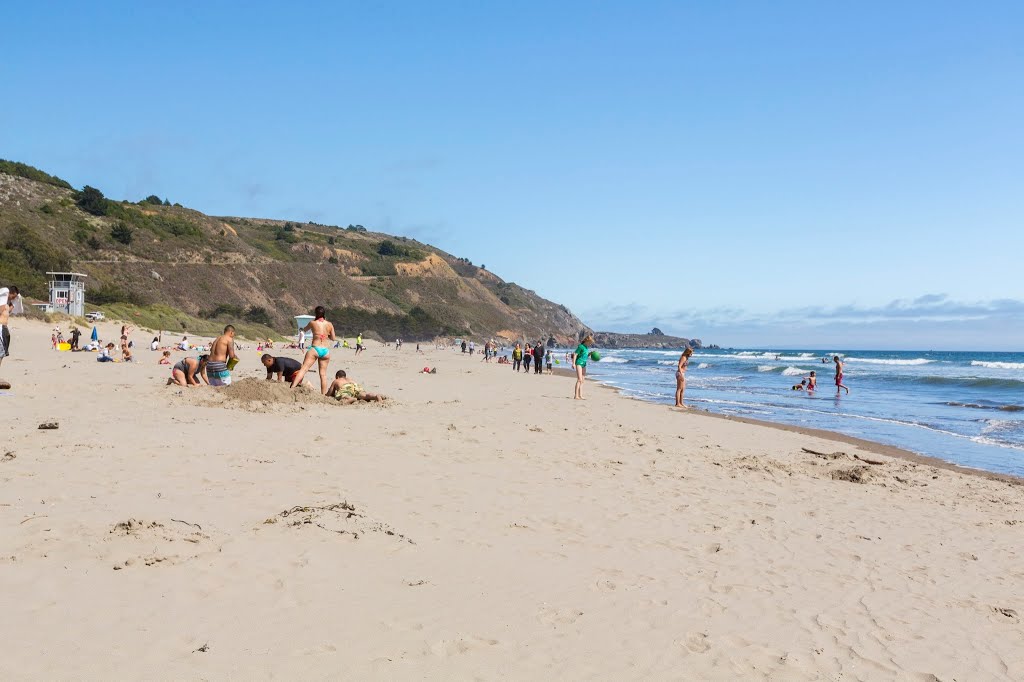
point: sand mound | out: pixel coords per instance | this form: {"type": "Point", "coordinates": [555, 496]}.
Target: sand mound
{"type": "Point", "coordinates": [259, 395]}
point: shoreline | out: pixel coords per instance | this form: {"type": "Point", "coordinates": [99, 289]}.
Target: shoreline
{"type": "Point", "coordinates": [835, 436]}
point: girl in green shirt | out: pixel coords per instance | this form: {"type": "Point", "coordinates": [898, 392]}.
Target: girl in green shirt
{"type": "Point", "coordinates": [579, 361]}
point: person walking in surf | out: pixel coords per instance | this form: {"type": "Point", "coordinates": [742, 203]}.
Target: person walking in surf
{"type": "Point", "coordinates": [839, 375]}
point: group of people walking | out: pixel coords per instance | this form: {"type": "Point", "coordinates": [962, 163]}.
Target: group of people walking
{"type": "Point", "coordinates": [536, 355]}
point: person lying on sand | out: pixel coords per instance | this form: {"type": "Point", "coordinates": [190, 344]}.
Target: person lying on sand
{"type": "Point", "coordinates": [347, 391]}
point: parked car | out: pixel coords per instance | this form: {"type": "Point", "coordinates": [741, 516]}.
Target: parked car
{"type": "Point", "coordinates": [95, 316]}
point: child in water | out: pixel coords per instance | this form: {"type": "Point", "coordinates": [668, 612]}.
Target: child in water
{"type": "Point", "coordinates": [812, 381]}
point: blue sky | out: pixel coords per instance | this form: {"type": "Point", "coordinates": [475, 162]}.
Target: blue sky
{"type": "Point", "coordinates": [771, 174]}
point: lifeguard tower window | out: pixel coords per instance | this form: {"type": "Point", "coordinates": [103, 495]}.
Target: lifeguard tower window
{"type": "Point", "coordinates": [67, 292]}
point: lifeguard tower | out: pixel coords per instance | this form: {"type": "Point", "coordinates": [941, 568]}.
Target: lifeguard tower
{"type": "Point", "coordinates": [67, 293]}
{"type": "Point", "coordinates": [301, 321]}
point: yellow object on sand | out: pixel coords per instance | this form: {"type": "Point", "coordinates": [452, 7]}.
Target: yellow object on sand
{"type": "Point", "coordinates": [64, 346]}
{"type": "Point", "coordinates": [231, 363]}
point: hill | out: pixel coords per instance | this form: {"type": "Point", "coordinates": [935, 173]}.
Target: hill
{"type": "Point", "coordinates": [153, 260]}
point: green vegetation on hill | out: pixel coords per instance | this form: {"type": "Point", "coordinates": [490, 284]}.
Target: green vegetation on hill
{"type": "Point", "coordinates": [149, 255]}
{"type": "Point", "coordinates": [25, 171]}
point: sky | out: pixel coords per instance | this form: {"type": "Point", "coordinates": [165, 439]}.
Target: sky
{"type": "Point", "coordinates": [787, 174]}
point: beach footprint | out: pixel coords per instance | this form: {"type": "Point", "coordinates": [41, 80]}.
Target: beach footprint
{"type": "Point", "coordinates": [696, 643]}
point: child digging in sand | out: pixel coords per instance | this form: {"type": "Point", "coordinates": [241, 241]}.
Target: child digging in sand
{"type": "Point", "coordinates": [347, 391]}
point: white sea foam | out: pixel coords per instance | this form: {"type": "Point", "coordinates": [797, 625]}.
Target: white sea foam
{"type": "Point", "coordinates": [997, 365]}
{"type": "Point", "coordinates": [703, 365]}
{"type": "Point", "coordinates": [793, 372]}
{"type": "Point", "coordinates": [767, 368]}
{"type": "Point", "coordinates": [614, 360]}
{"type": "Point", "coordinates": [885, 361]}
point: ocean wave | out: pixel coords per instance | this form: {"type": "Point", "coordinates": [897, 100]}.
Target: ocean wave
{"type": "Point", "coordinates": [977, 406]}
{"type": "Point", "coordinates": [614, 360]}
{"type": "Point", "coordinates": [997, 365]}
{"type": "Point", "coordinates": [703, 365]}
{"type": "Point", "coordinates": [793, 372]}
{"type": "Point", "coordinates": [770, 368]}
{"type": "Point", "coordinates": [885, 361]}
{"type": "Point", "coordinates": [971, 382]}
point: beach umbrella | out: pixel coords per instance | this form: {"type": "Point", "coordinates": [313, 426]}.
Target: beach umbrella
{"type": "Point", "coordinates": [95, 334]}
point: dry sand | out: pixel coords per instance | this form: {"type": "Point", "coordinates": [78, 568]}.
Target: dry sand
{"type": "Point", "coordinates": [481, 526]}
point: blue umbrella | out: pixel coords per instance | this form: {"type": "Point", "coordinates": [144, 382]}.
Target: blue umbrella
{"type": "Point", "coordinates": [95, 334]}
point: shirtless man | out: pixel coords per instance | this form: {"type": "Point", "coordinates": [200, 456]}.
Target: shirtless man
{"type": "Point", "coordinates": [221, 352]}
{"type": "Point", "coordinates": [839, 375]}
{"type": "Point", "coordinates": [319, 350]}
{"type": "Point", "coordinates": [10, 302]}
{"type": "Point", "coordinates": [347, 391]}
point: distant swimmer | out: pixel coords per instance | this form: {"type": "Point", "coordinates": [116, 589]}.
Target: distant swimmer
{"type": "Point", "coordinates": [839, 376]}
{"type": "Point", "coordinates": [684, 362]}
{"type": "Point", "coordinates": [319, 349]}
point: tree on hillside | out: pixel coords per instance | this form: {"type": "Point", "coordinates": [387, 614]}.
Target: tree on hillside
{"type": "Point", "coordinates": [387, 248]}
{"type": "Point", "coordinates": [152, 199]}
{"type": "Point", "coordinates": [91, 200]}
{"type": "Point", "coordinates": [122, 233]}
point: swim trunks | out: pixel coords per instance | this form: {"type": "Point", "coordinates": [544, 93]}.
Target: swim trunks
{"type": "Point", "coordinates": [839, 379]}
{"type": "Point", "coordinates": [5, 341]}
{"type": "Point", "coordinates": [218, 373]}
{"type": "Point", "coordinates": [321, 351]}
{"type": "Point", "coordinates": [349, 390]}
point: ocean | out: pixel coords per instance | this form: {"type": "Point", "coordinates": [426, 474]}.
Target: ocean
{"type": "Point", "coordinates": [963, 407]}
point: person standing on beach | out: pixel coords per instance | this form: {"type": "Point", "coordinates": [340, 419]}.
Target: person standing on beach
{"type": "Point", "coordinates": [10, 304]}
{"type": "Point", "coordinates": [517, 357]}
{"type": "Point", "coordinates": [359, 344]}
{"type": "Point", "coordinates": [579, 361]}
{"type": "Point", "coordinates": [538, 358]}
{"type": "Point", "coordinates": [222, 351]}
{"type": "Point", "coordinates": [319, 350]}
{"type": "Point", "coordinates": [684, 362]}
{"type": "Point", "coordinates": [839, 375]}
{"type": "Point", "coordinates": [527, 358]}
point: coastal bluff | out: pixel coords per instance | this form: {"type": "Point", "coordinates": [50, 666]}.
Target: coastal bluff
{"type": "Point", "coordinates": [649, 340]}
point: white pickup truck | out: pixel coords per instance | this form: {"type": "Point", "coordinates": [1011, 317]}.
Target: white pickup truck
{"type": "Point", "coordinates": [95, 316]}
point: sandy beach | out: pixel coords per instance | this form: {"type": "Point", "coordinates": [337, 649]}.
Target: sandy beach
{"type": "Point", "coordinates": [481, 525]}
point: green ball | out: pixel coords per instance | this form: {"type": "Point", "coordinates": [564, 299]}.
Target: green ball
{"type": "Point", "coordinates": [595, 356]}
